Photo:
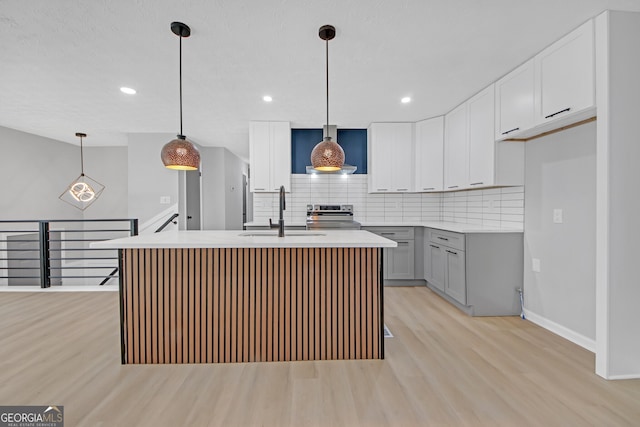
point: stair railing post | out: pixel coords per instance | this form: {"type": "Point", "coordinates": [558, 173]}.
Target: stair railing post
{"type": "Point", "coordinates": [45, 262]}
{"type": "Point", "coordinates": [134, 227]}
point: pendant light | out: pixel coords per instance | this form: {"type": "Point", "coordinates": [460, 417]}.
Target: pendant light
{"type": "Point", "coordinates": [327, 155]}
{"type": "Point", "coordinates": [179, 153]}
{"type": "Point", "coordinates": [83, 190]}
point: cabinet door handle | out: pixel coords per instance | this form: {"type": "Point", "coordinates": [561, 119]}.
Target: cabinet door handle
{"type": "Point", "coordinates": [387, 234]}
{"type": "Point", "coordinates": [509, 131]}
{"type": "Point", "coordinates": [381, 189]}
{"type": "Point", "coordinates": [443, 238]}
{"type": "Point", "coordinates": [402, 189]}
{"type": "Point", "coordinates": [451, 252]}
{"type": "Point", "coordinates": [559, 112]}
{"type": "Point", "coordinates": [453, 186]}
{"type": "Point", "coordinates": [434, 246]}
{"type": "Point", "coordinates": [476, 183]}
{"type": "Point", "coordinates": [430, 188]}
{"type": "Point", "coordinates": [261, 189]}
{"type": "Point", "coordinates": [402, 243]}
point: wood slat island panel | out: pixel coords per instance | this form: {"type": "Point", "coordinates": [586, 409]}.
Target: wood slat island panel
{"type": "Point", "coordinates": [212, 305]}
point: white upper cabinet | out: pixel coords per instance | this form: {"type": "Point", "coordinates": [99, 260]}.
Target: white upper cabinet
{"type": "Point", "coordinates": [473, 159]}
{"type": "Point", "coordinates": [456, 149]}
{"type": "Point", "coordinates": [270, 156]}
{"type": "Point", "coordinates": [391, 157]}
{"type": "Point", "coordinates": [515, 101]}
{"type": "Point", "coordinates": [429, 143]}
{"type": "Point", "coordinates": [480, 122]}
{"type": "Point", "coordinates": [565, 76]}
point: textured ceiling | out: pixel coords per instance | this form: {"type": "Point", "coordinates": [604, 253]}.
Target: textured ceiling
{"type": "Point", "coordinates": [62, 62]}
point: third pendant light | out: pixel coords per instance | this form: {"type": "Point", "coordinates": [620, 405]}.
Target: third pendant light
{"type": "Point", "coordinates": [327, 155]}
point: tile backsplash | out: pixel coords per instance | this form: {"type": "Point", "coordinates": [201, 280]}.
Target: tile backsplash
{"type": "Point", "coordinates": [503, 207]}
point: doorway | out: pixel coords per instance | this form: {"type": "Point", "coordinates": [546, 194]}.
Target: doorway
{"type": "Point", "coordinates": [193, 195]}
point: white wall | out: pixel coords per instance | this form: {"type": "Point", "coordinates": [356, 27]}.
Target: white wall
{"type": "Point", "coordinates": [221, 189]}
{"type": "Point", "coordinates": [234, 168]}
{"type": "Point", "coordinates": [618, 95]}
{"type": "Point", "coordinates": [108, 165]}
{"type": "Point", "coordinates": [213, 172]}
{"type": "Point", "coordinates": [148, 179]}
{"type": "Point", "coordinates": [36, 170]}
{"type": "Point", "coordinates": [560, 173]}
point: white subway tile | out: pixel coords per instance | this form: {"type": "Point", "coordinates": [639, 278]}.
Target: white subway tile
{"type": "Point", "coordinates": [512, 211]}
{"type": "Point", "coordinates": [512, 218]}
{"type": "Point", "coordinates": [486, 206]}
{"type": "Point", "coordinates": [505, 190]}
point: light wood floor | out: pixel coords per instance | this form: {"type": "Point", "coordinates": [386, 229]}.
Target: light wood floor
{"type": "Point", "coordinates": [441, 368]}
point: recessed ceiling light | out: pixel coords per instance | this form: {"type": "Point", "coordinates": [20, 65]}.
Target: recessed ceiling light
{"type": "Point", "coordinates": [267, 98]}
{"type": "Point", "coordinates": [405, 100]}
{"type": "Point", "coordinates": [128, 90]}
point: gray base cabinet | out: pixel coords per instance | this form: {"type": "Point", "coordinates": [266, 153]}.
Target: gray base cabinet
{"type": "Point", "coordinates": [400, 267]}
{"type": "Point", "coordinates": [456, 283]}
{"type": "Point", "coordinates": [477, 272]}
{"type": "Point", "coordinates": [399, 261]}
{"type": "Point", "coordinates": [434, 265]}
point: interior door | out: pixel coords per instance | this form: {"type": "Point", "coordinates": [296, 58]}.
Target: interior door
{"type": "Point", "coordinates": [194, 220]}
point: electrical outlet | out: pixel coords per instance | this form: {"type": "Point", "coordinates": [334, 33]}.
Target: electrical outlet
{"type": "Point", "coordinates": [535, 265]}
{"type": "Point", "coordinates": [557, 216]}
{"type": "Point", "coordinates": [165, 200]}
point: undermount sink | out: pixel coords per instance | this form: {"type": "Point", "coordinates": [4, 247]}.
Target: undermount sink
{"type": "Point", "coordinates": [275, 234]}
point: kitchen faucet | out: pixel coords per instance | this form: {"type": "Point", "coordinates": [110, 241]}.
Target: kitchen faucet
{"type": "Point", "coordinates": [280, 225]}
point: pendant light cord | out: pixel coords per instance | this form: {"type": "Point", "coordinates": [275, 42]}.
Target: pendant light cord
{"type": "Point", "coordinates": [81, 158]}
{"type": "Point", "coordinates": [327, 75]}
{"type": "Point", "coordinates": [180, 72]}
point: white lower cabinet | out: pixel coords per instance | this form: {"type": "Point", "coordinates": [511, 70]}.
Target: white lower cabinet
{"type": "Point", "coordinates": [477, 272]}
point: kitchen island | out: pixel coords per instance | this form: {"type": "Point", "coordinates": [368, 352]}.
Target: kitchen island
{"type": "Point", "coordinates": [238, 296]}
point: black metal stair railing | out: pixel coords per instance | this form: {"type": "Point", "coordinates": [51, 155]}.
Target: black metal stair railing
{"type": "Point", "coordinates": [167, 222]}
{"type": "Point", "coordinates": [162, 227]}
{"type": "Point", "coordinates": [58, 252]}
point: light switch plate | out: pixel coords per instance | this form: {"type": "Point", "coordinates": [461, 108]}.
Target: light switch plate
{"type": "Point", "coordinates": [557, 216]}
{"type": "Point", "coordinates": [535, 265]}
{"type": "Point", "coordinates": [165, 200]}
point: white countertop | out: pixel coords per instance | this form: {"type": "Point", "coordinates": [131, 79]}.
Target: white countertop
{"type": "Point", "coordinates": [441, 225]}
{"type": "Point", "coordinates": [251, 239]}
{"type": "Point", "coordinates": [456, 227]}
{"type": "Point", "coordinates": [266, 224]}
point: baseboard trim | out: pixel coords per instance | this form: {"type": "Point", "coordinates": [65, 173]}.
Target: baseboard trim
{"type": "Point", "coordinates": [624, 377]}
{"type": "Point", "coordinates": [564, 332]}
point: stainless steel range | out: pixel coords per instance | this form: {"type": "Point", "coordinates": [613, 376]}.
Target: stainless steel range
{"type": "Point", "coordinates": [331, 217]}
